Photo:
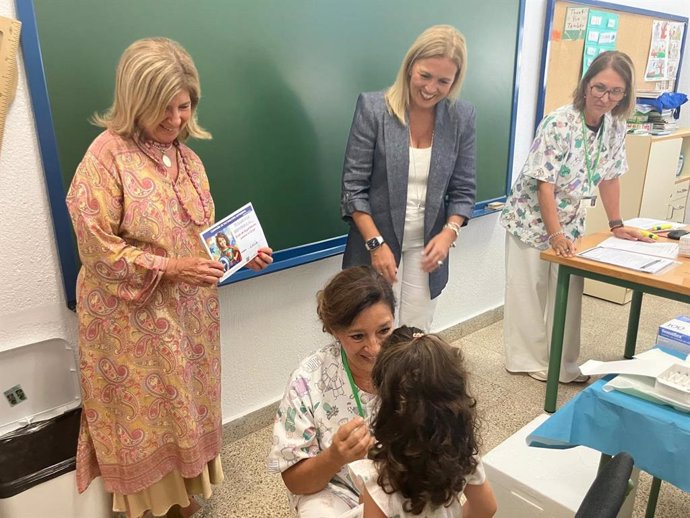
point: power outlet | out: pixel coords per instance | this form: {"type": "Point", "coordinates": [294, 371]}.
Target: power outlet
{"type": "Point", "coordinates": [15, 395]}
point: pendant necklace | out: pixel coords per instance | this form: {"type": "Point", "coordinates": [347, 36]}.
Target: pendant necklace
{"type": "Point", "coordinates": [164, 148]}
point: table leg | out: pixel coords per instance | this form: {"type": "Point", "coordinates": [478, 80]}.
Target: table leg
{"type": "Point", "coordinates": [653, 497]}
{"type": "Point", "coordinates": [556, 351]}
{"type": "Point", "coordinates": [633, 324]}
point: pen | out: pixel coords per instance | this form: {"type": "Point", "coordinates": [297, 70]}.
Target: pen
{"type": "Point", "coordinates": [650, 263]}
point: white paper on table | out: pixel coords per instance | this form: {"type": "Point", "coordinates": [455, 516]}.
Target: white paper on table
{"type": "Point", "coordinates": [633, 260]}
{"type": "Point", "coordinates": [651, 363]}
{"type": "Point", "coordinates": [665, 249]}
{"type": "Point", "coordinates": [648, 223]}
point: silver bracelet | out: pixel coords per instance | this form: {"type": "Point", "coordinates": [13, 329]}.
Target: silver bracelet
{"type": "Point", "coordinates": [454, 227]}
{"type": "Point", "coordinates": [558, 233]}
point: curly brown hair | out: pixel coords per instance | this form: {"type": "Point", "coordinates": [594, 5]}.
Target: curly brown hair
{"type": "Point", "coordinates": [426, 426]}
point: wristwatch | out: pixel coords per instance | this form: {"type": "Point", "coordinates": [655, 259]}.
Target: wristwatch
{"type": "Point", "coordinates": [373, 243]}
{"type": "Point", "coordinates": [615, 223]}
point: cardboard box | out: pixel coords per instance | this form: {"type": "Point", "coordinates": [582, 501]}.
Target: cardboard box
{"type": "Point", "coordinates": [675, 334]}
{"type": "Point", "coordinates": [540, 482]}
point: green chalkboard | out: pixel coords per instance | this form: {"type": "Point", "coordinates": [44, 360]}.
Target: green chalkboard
{"type": "Point", "coordinates": [279, 83]}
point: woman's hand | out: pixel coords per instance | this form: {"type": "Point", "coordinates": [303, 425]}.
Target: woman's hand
{"type": "Point", "coordinates": [630, 234]}
{"type": "Point", "coordinates": [193, 270]}
{"type": "Point", "coordinates": [351, 442]}
{"type": "Point", "coordinates": [562, 245]}
{"type": "Point", "coordinates": [436, 250]}
{"type": "Point", "coordinates": [262, 260]}
{"type": "Point", "coordinates": [383, 261]}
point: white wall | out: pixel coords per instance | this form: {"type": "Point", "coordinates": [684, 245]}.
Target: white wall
{"type": "Point", "coordinates": [268, 323]}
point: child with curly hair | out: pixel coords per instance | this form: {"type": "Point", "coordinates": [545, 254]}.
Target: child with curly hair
{"type": "Point", "coordinates": [426, 451]}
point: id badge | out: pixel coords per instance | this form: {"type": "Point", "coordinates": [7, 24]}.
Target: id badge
{"type": "Point", "coordinates": [592, 200]}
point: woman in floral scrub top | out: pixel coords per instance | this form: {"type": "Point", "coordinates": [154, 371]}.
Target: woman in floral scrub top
{"type": "Point", "coordinates": [322, 423]}
{"type": "Point", "coordinates": [578, 148]}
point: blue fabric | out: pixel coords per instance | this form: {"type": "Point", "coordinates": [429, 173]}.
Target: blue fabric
{"type": "Point", "coordinates": [657, 436]}
{"type": "Point", "coordinates": [667, 101]}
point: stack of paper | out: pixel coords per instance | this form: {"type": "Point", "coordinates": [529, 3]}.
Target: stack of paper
{"type": "Point", "coordinates": [650, 224]}
{"type": "Point", "coordinates": [636, 255]}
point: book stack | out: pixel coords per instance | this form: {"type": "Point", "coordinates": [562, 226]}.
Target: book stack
{"type": "Point", "coordinates": [675, 334]}
{"type": "Point", "coordinates": [639, 124]}
{"type": "Point", "coordinates": [662, 123]}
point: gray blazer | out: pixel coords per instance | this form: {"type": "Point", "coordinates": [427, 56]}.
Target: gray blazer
{"type": "Point", "coordinates": [375, 176]}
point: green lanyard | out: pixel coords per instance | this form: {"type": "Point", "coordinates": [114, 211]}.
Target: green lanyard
{"type": "Point", "coordinates": [592, 166]}
{"type": "Point", "coordinates": [355, 390]}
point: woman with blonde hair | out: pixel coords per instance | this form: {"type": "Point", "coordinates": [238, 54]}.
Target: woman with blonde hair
{"type": "Point", "coordinates": [578, 147]}
{"type": "Point", "coordinates": [408, 183]}
{"type": "Point", "coordinates": [147, 302]}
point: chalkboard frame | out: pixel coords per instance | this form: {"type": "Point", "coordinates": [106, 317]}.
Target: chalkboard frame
{"type": "Point", "coordinates": [283, 259]}
{"type": "Point", "coordinates": [596, 4]}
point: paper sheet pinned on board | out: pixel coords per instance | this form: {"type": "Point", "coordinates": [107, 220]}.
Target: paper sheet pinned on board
{"type": "Point", "coordinates": [650, 363]}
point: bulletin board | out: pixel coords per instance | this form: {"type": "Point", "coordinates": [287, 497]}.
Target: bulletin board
{"type": "Point", "coordinates": [562, 58]}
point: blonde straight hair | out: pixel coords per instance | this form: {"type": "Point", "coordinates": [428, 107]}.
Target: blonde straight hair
{"type": "Point", "coordinates": [620, 63]}
{"type": "Point", "coordinates": [151, 72]}
{"type": "Point", "coordinates": [436, 41]}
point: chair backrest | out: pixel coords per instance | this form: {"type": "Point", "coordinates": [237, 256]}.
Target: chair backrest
{"type": "Point", "coordinates": [607, 493]}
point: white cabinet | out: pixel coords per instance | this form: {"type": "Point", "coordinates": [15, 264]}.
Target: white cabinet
{"type": "Point", "coordinates": [649, 189]}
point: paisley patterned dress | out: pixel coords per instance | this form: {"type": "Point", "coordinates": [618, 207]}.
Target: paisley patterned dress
{"type": "Point", "coordinates": [149, 348]}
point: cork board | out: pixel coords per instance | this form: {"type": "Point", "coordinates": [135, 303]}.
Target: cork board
{"type": "Point", "coordinates": [564, 66]}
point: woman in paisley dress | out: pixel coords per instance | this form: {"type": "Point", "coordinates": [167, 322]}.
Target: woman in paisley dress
{"type": "Point", "coordinates": [147, 300]}
{"type": "Point", "coordinates": [577, 148]}
{"type": "Point", "coordinates": [322, 422]}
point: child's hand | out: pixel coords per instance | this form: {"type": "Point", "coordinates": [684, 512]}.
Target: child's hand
{"type": "Point", "coordinates": [351, 442]}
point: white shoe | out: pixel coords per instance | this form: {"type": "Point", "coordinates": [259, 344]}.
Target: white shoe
{"type": "Point", "coordinates": [543, 376]}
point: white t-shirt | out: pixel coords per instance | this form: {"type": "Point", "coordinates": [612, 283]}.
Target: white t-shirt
{"type": "Point", "coordinates": [364, 474]}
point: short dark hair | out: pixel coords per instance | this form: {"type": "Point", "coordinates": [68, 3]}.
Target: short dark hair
{"type": "Point", "coordinates": [349, 293]}
{"type": "Point", "coordinates": [620, 63]}
{"type": "Point", "coordinates": [426, 425]}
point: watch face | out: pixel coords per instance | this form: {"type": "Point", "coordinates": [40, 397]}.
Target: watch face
{"type": "Point", "coordinates": [373, 243]}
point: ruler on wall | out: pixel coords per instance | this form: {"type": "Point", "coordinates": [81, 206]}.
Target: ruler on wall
{"type": "Point", "coordinates": [9, 42]}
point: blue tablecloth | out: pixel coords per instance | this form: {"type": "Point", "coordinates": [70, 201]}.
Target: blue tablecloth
{"type": "Point", "coordinates": [657, 436]}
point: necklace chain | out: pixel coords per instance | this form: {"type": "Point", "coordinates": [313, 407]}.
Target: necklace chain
{"type": "Point", "coordinates": [147, 146]}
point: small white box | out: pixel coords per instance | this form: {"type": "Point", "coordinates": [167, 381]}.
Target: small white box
{"type": "Point", "coordinates": [684, 245]}
{"type": "Point", "coordinates": [675, 334]}
{"type": "Point", "coordinates": [541, 482]}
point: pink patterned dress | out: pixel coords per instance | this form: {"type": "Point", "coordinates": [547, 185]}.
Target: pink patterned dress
{"type": "Point", "coordinates": [149, 348]}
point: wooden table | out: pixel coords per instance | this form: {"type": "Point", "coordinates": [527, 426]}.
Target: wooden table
{"type": "Point", "coordinates": [673, 284]}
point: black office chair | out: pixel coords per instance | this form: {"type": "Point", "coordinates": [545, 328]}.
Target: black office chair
{"type": "Point", "coordinates": [609, 489]}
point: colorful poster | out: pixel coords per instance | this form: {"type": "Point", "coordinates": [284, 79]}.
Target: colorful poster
{"type": "Point", "coordinates": [575, 23]}
{"type": "Point", "coordinates": [602, 31]}
{"type": "Point", "coordinates": [664, 51]}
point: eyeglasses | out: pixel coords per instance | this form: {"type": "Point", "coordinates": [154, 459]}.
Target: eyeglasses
{"type": "Point", "coordinates": [599, 91]}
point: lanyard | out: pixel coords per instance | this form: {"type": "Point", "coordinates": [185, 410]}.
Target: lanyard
{"type": "Point", "coordinates": [592, 166]}
{"type": "Point", "coordinates": [355, 390]}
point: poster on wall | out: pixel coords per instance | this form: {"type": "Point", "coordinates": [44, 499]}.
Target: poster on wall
{"type": "Point", "coordinates": [664, 51]}
{"type": "Point", "coordinates": [575, 23]}
{"type": "Point", "coordinates": [602, 31]}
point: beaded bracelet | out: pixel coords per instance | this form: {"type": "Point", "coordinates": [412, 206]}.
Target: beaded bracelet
{"type": "Point", "coordinates": [558, 233]}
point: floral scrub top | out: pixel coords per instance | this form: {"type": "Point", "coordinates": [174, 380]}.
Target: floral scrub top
{"type": "Point", "coordinates": [317, 401]}
{"type": "Point", "coordinates": [557, 156]}
{"type": "Point", "coordinates": [365, 474]}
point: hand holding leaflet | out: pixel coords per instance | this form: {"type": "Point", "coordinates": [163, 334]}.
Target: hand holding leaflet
{"type": "Point", "coordinates": [235, 240]}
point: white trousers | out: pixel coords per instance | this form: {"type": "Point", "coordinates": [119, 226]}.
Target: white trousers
{"type": "Point", "coordinates": [528, 312]}
{"type": "Point", "coordinates": [326, 504]}
{"type": "Point", "coordinates": [415, 306]}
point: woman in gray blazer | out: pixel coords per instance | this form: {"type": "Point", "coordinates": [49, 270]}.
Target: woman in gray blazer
{"type": "Point", "coordinates": [409, 174]}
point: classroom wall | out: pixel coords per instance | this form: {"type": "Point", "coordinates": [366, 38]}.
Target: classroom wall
{"type": "Point", "coordinates": [268, 323]}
